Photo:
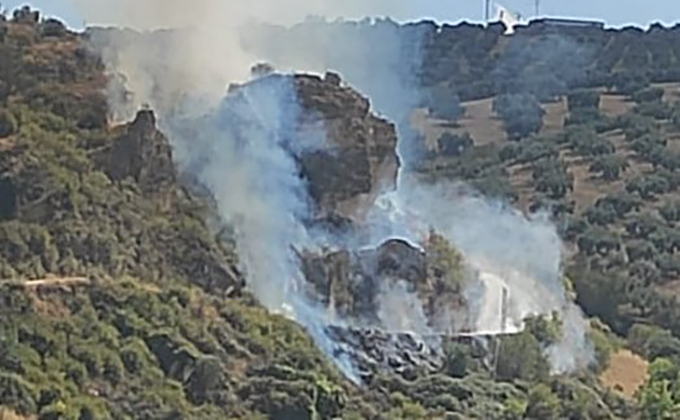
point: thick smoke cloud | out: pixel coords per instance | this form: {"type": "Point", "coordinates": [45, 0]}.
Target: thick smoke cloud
{"type": "Point", "coordinates": [522, 255]}
{"type": "Point", "coordinates": [244, 149]}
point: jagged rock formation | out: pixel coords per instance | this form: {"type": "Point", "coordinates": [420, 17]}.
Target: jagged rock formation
{"type": "Point", "coordinates": [358, 284]}
{"type": "Point", "coordinates": [141, 152]}
{"type": "Point", "coordinates": [362, 160]}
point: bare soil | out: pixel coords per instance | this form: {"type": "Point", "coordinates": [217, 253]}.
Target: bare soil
{"type": "Point", "coordinates": [627, 372]}
{"type": "Point", "coordinates": [615, 105]}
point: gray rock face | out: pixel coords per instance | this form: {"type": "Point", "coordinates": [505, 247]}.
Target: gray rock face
{"type": "Point", "coordinates": [350, 282]}
{"type": "Point", "coordinates": [142, 153]}
{"type": "Point", "coordinates": [361, 160]}
{"type": "Point", "coordinates": [371, 351]}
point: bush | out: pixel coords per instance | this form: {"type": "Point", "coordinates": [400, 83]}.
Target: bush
{"type": "Point", "coordinates": [444, 104]}
{"type": "Point", "coordinates": [454, 145]}
{"type": "Point", "coordinates": [8, 124]}
{"type": "Point", "coordinates": [609, 167]}
{"type": "Point", "coordinates": [583, 99]}
{"type": "Point", "coordinates": [543, 404]}
{"type": "Point", "coordinates": [521, 357]}
{"type": "Point", "coordinates": [52, 28]}
{"type": "Point", "coordinates": [521, 113]}
{"type": "Point", "coordinates": [648, 95]}
{"type": "Point", "coordinates": [17, 394]}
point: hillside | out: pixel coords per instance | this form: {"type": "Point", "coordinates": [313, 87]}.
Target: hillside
{"type": "Point", "coordinates": [121, 291]}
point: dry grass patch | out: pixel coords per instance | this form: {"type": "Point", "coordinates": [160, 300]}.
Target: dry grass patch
{"type": "Point", "coordinates": [555, 115]}
{"type": "Point", "coordinates": [615, 105]}
{"type": "Point", "coordinates": [7, 414]}
{"type": "Point", "coordinates": [627, 372]}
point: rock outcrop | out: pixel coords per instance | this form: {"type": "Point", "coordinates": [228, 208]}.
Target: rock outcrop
{"type": "Point", "coordinates": [361, 285]}
{"type": "Point", "coordinates": [373, 351]}
{"type": "Point", "coordinates": [362, 159]}
{"type": "Point", "coordinates": [141, 152]}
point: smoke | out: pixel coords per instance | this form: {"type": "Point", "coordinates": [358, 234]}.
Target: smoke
{"type": "Point", "coordinates": [241, 153]}
{"type": "Point", "coordinates": [401, 310]}
{"type": "Point", "coordinates": [243, 146]}
{"type": "Point", "coordinates": [207, 52]}
{"type": "Point", "coordinates": [377, 57]}
{"type": "Point", "coordinates": [510, 251]}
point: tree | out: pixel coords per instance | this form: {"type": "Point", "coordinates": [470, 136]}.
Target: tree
{"type": "Point", "coordinates": [601, 215]}
{"type": "Point", "coordinates": [457, 359]}
{"type": "Point", "coordinates": [657, 403]}
{"type": "Point", "coordinates": [654, 94]}
{"type": "Point", "coordinates": [521, 357]}
{"type": "Point", "coordinates": [629, 82]}
{"type": "Point", "coordinates": [609, 167]}
{"type": "Point", "coordinates": [445, 104]}
{"type": "Point", "coordinates": [622, 203]}
{"type": "Point", "coordinates": [640, 250]}
{"type": "Point", "coordinates": [649, 186]}
{"type": "Point", "coordinates": [546, 330]}
{"type": "Point", "coordinates": [554, 180]}
{"type": "Point", "coordinates": [53, 28]}
{"type": "Point", "coordinates": [598, 240]}
{"type": "Point", "coordinates": [580, 99]}
{"type": "Point", "coordinates": [543, 404]}
{"type": "Point", "coordinates": [454, 145]}
{"type": "Point", "coordinates": [521, 113]}
{"type": "Point", "coordinates": [670, 211]}
{"type": "Point", "coordinates": [8, 124]}
{"type": "Point", "coordinates": [640, 227]}
{"type": "Point", "coordinates": [646, 271]}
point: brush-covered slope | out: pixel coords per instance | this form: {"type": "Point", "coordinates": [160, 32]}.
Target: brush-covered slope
{"type": "Point", "coordinates": [120, 301]}
{"type": "Point", "coordinates": [580, 123]}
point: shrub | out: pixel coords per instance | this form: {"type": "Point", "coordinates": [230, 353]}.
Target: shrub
{"type": "Point", "coordinates": [580, 99]}
{"type": "Point", "coordinates": [543, 404]}
{"type": "Point", "coordinates": [609, 167]}
{"type": "Point", "coordinates": [454, 145]}
{"type": "Point", "coordinates": [17, 394]}
{"type": "Point", "coordinates": [654, 94]}
{"type": "Point", "coordinates": [52, 28]}
{"type": "Point", "coordinates": [444, 104]}
{"type": "Point", "coordinates": [521, 357]}
{"type": "Point", "coordinates": [521, 113]}
{"type": "Point", "coordinates": [8, 124]}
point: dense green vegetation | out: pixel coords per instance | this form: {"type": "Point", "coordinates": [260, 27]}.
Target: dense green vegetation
{"type": "Point", "coordinates": [162, 328]}
{"type": "Point", "coordinates": [625, 262]}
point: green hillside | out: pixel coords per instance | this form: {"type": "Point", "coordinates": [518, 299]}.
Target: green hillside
{"type": "Point", "coordinates": [121, 299]}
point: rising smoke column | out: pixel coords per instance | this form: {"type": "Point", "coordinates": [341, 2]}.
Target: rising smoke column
{"type": "Point", "coordinates": [245, 153]}
{"type": "Point", "coordinates": [243, 148]}
{"type": "Point", "coordinates": [511, 250]}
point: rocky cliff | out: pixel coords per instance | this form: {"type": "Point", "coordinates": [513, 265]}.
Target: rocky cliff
{"type": "Point", "coordinates": [362, 160]}
{"type": "Point", "coordinates": [142, 153]}
{"type": "Point", "coordinates": [361, 284]}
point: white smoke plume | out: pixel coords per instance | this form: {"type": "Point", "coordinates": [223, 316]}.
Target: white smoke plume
{"type": "Point", "coordinates": [510, 250]}
{"type": "Point", "coordinates": [251, 171]}
{"type": "Point", "coordinates": [399, 309]}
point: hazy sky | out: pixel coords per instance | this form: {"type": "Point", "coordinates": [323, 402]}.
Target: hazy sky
{"type": "Point", "coordinates": [614, 12]}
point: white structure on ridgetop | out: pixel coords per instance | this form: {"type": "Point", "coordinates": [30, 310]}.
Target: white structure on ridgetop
{"type": "Point", "coordinates": [508, 18]}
